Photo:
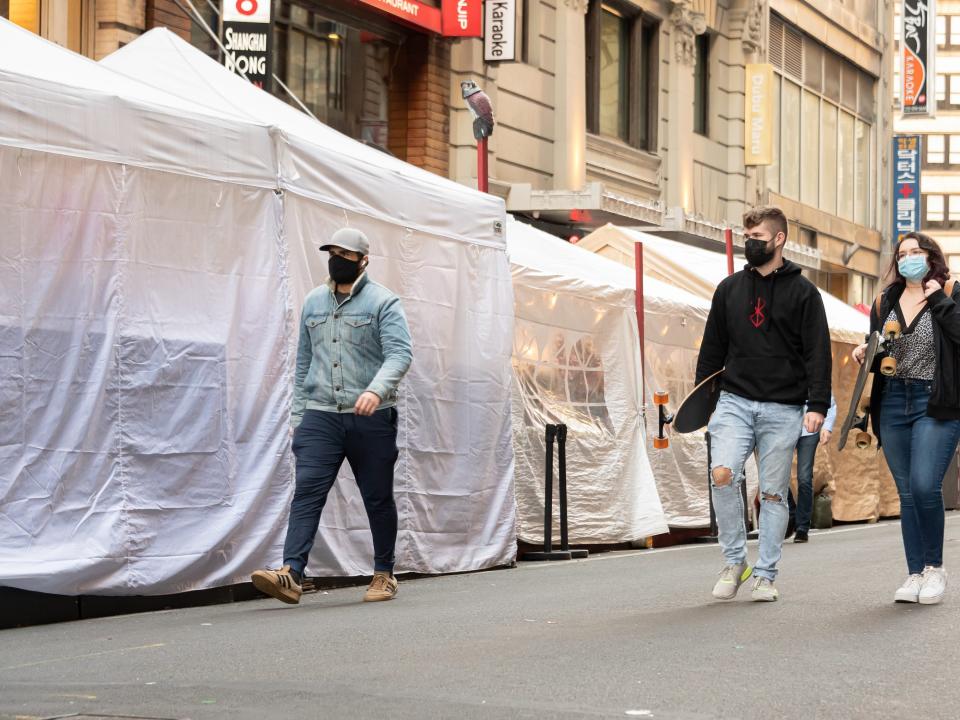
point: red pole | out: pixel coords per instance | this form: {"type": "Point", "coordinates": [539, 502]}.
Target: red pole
{"type": "Point", "coordinates": [728, 236]}
{"type": "Point", "coordinates": [638, 261]}
{"type": "Point", "coordinates": [483, 184]}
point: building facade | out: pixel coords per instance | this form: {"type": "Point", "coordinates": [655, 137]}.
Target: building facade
{"type": "Point", "coordinates": [940, 134]}
{"type": "Point", "coordinates": [634, 112]}
{"type": "Point", "coordinates": [624, 111]}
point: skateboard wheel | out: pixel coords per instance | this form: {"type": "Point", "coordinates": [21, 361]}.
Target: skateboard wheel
{"type": "Point", "coordinates": [888, 366]}
{"type": "Point", "coordinates": [891, 330]}
{"type": "Point", "coordinates": [865, 406]}
{"type": "Point", "coordinates": [661, 443]}
{"type": "Point", "coordinates": [661, 397]}
{"type": "Point", "coordinates": [864, 440]}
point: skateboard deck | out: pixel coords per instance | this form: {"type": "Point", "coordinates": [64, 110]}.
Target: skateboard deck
{"type": "Point", "coordinates": [856, 417]}
{"type": "Point", "coordinates": [697, 407]}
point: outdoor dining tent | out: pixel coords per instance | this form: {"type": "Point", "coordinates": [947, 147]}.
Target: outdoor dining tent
{"type": "Point", "coordinates": [576, 361]}
{"type": "Point", "coordinates": [154, 258]}
{"type": "Point", "coordinates": [858, 479]}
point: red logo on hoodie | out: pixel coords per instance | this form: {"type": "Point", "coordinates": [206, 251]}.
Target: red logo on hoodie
{"type": "Point", "coordinates": [757, 317]}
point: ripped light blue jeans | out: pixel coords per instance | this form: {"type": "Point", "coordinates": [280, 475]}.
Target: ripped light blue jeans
{"type": "Point", "coordinates": [738, 427]}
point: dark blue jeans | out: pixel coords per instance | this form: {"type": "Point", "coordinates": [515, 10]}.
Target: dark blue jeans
{"type": "Point", "coordinates": [918, 450]}
{"type": "Point", "coordinates": [802, 509]}
{"type": "Point", "coordinates": [321, 443]}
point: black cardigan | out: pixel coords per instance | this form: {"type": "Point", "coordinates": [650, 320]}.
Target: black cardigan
{"type": "Point", "coordinates": [945, 394]}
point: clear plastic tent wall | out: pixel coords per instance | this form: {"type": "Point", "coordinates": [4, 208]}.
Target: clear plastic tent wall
{"type": "Point", "coordinates": [576, 360]}
{"type": "Point", "coordinates": [441, 247]}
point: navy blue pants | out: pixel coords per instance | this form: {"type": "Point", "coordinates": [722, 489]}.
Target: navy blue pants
{"type": "Point", "coordinates": [320, 444]}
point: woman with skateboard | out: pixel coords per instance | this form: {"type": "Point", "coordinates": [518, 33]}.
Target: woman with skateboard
{"type": "Point", "coordinates": [915, 401]}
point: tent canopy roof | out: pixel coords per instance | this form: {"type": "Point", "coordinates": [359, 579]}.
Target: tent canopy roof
{"type": "Point", "coordinates": [57, 101]}
{"type": "Point", "coordinates": [317, 161]}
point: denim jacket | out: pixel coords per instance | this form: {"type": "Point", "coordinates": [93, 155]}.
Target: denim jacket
{"type": "Point", "coordinates": [361, 345]}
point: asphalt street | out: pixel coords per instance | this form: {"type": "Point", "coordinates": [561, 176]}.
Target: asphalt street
{"type": "Point", "coordinates": [618, 635]}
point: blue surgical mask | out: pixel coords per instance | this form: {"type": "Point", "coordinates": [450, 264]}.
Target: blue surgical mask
{"type": "Point", "coordinates": [913, 267]}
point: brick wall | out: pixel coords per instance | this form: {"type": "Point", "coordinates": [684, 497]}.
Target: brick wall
{"type": "Point", "coordinates": [420, 104]}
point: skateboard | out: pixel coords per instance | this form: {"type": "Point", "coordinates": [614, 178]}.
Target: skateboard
{"type": "Point", "coordinates": [859, 412]}
{"type": "Point", "coordinates": [694, 411]}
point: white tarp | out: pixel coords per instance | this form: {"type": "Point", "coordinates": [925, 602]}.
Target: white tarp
{"type": "Point", "coordinates": [440, 246]}
{"type": "Point", "coordinates": [147, 322]}
{"type": "Point", "coordinates": [576, 360]}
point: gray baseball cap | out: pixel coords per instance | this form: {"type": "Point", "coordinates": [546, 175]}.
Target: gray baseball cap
{"type": "Point", "coordinates": [349, 239]}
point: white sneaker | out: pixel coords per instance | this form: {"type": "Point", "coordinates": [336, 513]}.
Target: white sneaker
{"type": "Point", "coordinates": [764, 591]}
{"type": "Point", "coordinates": [731, 578]}
{"type": "Point", "coordinates": [909, 592]}
{"type": "Point", "coordinates": [934, 585]}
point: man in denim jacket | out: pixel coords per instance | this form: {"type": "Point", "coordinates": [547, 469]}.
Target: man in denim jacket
{"type": "Point", "coordinates": [354, 349]}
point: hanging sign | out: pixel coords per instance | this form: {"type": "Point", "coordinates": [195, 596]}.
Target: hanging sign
{"type": "Point", "coordinates": [500, 30]}
{"type": "Point", "coordinates": [462, 18]}
{"type": "Point", "coordinates": [916, 50]}
{"type": "Point", "coordinates": [758, 110]}
{"type": "Point", "coordinates": [906, 185]}
{"type": "Point", "coordinates": [411, 11]}
{"type": "Point", "coordinates": [247, 38]}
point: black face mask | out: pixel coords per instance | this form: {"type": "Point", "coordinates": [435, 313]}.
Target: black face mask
{"type": "Point", "coordinates": [757, 253]}
{"type": "Point", "coordinates": [342, 270]}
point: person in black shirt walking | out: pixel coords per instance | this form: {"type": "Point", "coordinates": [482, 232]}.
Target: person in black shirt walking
{"type": "Point", "coordinates": [767, 329]}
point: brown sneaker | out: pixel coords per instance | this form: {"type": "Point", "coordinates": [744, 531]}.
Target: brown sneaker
{"type": "Point", "coordinates": [383, 587]}
{"type": "Point", "coordinates": [279, 584]}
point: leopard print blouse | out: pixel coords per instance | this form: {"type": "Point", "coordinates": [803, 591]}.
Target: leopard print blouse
{"type": "Point", "coordinates": [915, 350]}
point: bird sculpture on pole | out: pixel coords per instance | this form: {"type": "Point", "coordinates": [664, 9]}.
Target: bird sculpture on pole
{"type": "Point", "coordinates": [482, 113]}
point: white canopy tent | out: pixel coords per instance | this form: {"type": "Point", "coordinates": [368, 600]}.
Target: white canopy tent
{"type": "Point", "coordinates": [150, 275]}
{"type": "Point", "coordinates": [576, 361]}
{"type": "Point", "coordinates": [863, 488]}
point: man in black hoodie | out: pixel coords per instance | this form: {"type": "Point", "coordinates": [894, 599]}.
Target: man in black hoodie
{"type": "Point", "coordinates": [768, 331]}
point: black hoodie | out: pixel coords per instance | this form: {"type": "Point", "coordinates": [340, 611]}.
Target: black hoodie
{"type": "Point", "coordinates": [771, 336]}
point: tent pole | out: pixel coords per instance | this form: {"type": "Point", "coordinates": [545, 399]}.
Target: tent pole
{"type": "Point", "coordinates": [638, 260]}
{"type": "Point", "coordinates": [483, 181]}
{"type": "Point", "coordinates": [728, 237]}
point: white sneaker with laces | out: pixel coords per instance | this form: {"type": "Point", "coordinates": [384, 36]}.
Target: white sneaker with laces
{"type": "Point", "coordinates": [731, 578]}
{"type": "Point", "coordinates": [764, 591]}
{"type": "Point", "coordinates": [909, 592]}
{"type": "Point", "coordinates": [934, 585]}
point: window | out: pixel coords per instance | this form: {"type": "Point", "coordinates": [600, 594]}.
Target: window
{"type": "Point", "coordinates": [934, 212]}
{"type": "Point", "coordinates": [955, 89]}
{"type": "Point", "coordinates": [828, 159]}
{"type": "Point", "coordinates": [954, 150]}
{"type": "Point", "coordinates": [68, 23]}
{"type": "Point", "coordinates": [954, 208]}
{"type": "Point", "coordinates": [26, 14]}
{"type": "Point", "coordinates": [790, 141]}
{"type": "Point", "coordinates": [310, 60]}
{"type": "Point", "coordinates": [701, 85]}
{"type": "Point", "coordinates": [198, 35]}
{"type": "Point", "coordinates": [614, 56]}
{"type": "Point", "coordinates": [622, 66]}
{"type": "Point", "coordinates": [954, 30]}
{"type": "Point", "coordinates": [941, 31]}
{"type": "Point", "coordinates": [810, 149]}
{"type": "Point", "coordinates": [824, 134]}
{"type": "Point", "coordinates": [941, 88]}
{"type": "Point", "coordinates": [936, 149]}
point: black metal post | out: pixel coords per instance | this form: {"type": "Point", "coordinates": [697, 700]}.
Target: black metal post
{"type": "Point", "coordinates": [548, 552]}
{"type": "Point", "coordinates": [564, 525]}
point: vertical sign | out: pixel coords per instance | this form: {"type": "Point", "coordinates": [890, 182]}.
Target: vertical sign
{"type": "Point", "coordinates": [247, 35]}
{"type": "Point", "coordinates": [917, 43]}
{"type": "Point", "coordinates": [500, 30]}
{"type": "Point", "coordinates": [906, 185]}
{"type": "Point", "coordinates": [758, 111]}
{"type": "Point", "coordinates": [462, 18]}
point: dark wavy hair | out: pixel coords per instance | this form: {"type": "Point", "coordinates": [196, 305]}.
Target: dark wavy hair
{"type": "Point", "coordinates": [938, 271]}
